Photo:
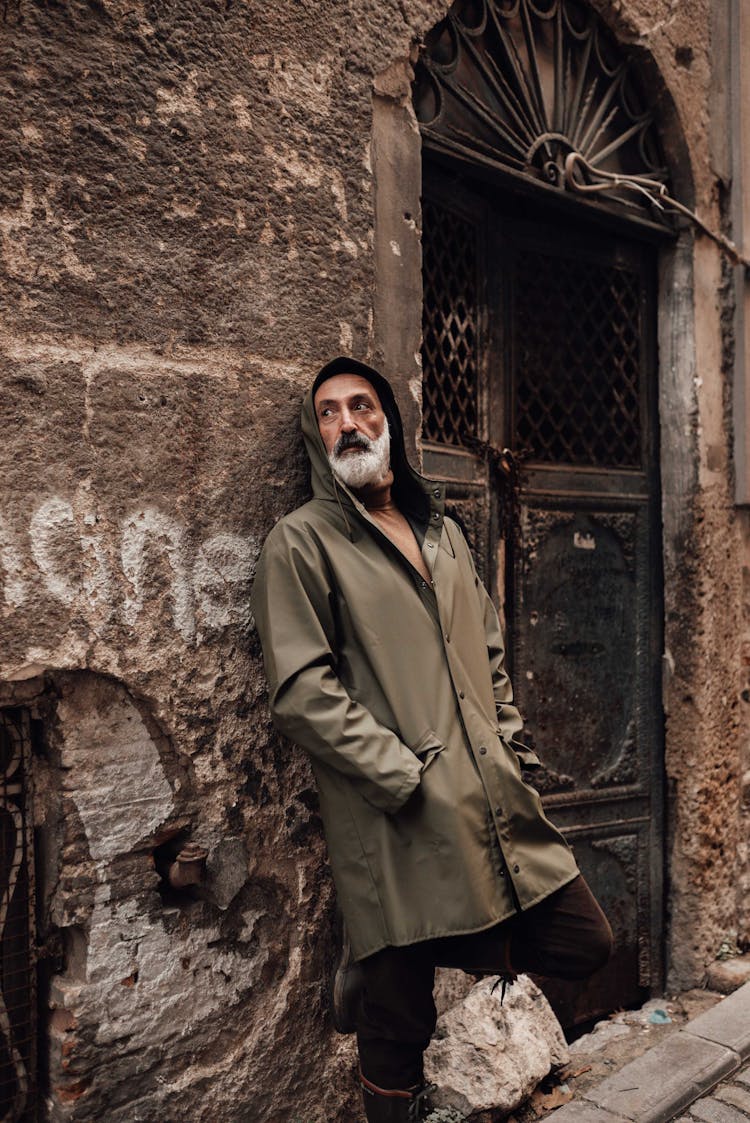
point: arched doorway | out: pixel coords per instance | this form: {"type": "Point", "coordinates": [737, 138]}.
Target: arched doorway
{"type": "Point", "coordinates": [539, 335]}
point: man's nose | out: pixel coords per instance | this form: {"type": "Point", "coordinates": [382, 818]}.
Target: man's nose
{"type": "Point", "coordinates": [348, 422]}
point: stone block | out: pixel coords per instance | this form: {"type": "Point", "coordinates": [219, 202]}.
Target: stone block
{"type": "Point", "coordinates": [737, 1095]}
{"type": "Point", "coordinates": [727, 1023]}
{"type": "Point", "coordinates": [114, 773]}
{"type": "Point", "coordinates": [579, 1111]}
{"type": "Point", "coordinates": [599, 1037]}
{"type": "Point", "coordinates": [226, 872]}
{"type": "Point", "coordinates": [728, 975]}
{"type": "Point", "coordinates": [489, 1055]}
{"type": "Point", "coordinates": [710, 1110]}
{"type": "Point", "coordinates": [666, 1079]}
{"type": "Point", "coordinates": [451, 987]}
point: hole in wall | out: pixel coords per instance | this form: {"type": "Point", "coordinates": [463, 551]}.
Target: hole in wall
{"type": "Point", "coordinates": [164, 856]}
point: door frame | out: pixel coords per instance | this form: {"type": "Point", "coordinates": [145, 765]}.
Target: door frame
{"type": "Point", "coordinates": [396, 158]}
{"type": "Point", "coordinates": [629, 814]}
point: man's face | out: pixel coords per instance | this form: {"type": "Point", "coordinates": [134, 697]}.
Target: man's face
{"type": "Point", "coordinates": [354, 429]}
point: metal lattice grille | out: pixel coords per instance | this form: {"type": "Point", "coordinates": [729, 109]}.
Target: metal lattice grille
{"type": "Point", "coordinates": [17, 953]}
{"type": "Point", "coordinates": [578, 361]}
{"type": "Point", "coordinates": [449, 327]}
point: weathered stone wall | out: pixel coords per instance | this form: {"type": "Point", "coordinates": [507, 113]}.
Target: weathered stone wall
{"type": "Point", "coordinates": [186, 216]}
{"type": "Point", "coordinates": [187, 207]}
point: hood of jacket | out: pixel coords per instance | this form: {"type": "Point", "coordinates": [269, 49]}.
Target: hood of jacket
{"type": "Point", "coordinates": [409, 487]}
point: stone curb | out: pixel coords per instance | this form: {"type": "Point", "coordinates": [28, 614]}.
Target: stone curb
{"type": "Point", "coordinates": [669, 1077]}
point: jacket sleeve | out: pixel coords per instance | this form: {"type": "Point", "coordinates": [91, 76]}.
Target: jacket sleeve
{"type": "Point", "coordinates": [292, 601]}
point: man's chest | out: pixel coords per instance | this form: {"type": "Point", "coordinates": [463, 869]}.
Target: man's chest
{"type": "Point", "coordinates": [397, 529]}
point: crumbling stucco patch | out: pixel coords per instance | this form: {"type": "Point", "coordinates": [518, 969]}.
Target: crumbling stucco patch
{"type": "Point", "coordinates": [117, 781]}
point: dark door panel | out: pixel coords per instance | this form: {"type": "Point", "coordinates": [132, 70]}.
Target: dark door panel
{"type": "Point", "coordinates": [546, 343]}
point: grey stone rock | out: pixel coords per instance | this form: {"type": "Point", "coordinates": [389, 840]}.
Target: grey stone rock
{"type": "Point", "coordinates": [451, 987]}
{"type": "Point", "coordinates": [600, 1036]}
{"type": "Point", "coordinates": [226, 872]}
{"type": "Point", "coordinates": [489, 1055]}
{"type": "Point", "coordinates": [727, 975]}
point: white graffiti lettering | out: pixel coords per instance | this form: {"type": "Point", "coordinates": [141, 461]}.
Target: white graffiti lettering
{"type": "Point", "coordinates": [11, 562]}
{"type": "Point", "coordinates": [205, 585]}
{"type": "Point", "coordinates": [151, 528]}
{"type": "Point", "coordinates": [50, 523]}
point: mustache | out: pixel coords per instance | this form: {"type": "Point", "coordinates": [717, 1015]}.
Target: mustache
{"type": "Point", "coordinates": [350, 440]}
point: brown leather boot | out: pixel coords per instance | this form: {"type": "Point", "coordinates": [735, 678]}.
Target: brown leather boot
{"type": "Point", "coordinates": [346, 985]}
{"type": "Point", "coordinates": [395, 1105]}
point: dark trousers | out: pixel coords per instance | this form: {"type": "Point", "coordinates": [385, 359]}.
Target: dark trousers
{"type": "Point", "coordinates": [565, 936]}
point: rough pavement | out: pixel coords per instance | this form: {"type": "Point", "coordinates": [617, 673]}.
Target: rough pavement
{"type": "Point", "coordinates": [729, 1102]}
{"type": "Point", "coordinates": [702, 1068]}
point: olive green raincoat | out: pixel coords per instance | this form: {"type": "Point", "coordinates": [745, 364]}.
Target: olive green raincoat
{"type": "Point", "coordinates": [397, 689]}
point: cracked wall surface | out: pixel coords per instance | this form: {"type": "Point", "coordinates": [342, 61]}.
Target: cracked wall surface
{"type": "Point", "coordinates": [198, 207]}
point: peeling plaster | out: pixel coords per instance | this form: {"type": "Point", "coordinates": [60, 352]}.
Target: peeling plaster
{"type": "Point", "coordinates": [126, 796]}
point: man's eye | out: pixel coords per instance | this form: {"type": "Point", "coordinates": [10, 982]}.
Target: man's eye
{"type": "Point", "coordinates": [361, 405]}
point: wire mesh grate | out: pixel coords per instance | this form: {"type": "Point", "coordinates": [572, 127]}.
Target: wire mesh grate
{"type": "Point", "coordinates": [578, 360]}
{"type": "Point", "coordinates": [449, 327]}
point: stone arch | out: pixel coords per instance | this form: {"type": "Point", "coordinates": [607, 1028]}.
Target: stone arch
{"type": "Point", "coordinates": [397, 171]}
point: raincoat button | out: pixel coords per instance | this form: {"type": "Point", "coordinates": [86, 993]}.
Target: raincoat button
{"type": "Point", "coordinates": [498, 811]}
{"type": "Point", "coordinates": [461, 694]}
{"type": "Point", "coordinates": [424, 584]}
{"type": "Point", "coordinates": [436, 493]}
{"type": "Point", "coordinates": [447, 639]}
{"type": "Point", "coordinates": [482, 750]}
{"type": "Point", "coordinates": [436, 516]}
{"type": "Point", "coordinates": [430, 545]}
{"type": "Point", "coordinates": [516, 869]}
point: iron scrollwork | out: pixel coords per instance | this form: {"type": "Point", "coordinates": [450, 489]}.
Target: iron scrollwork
{"type": "Point", "coordinates": [521, 85]}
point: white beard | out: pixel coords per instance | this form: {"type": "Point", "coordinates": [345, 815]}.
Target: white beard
{"type": "Point", "coordinates": [357, 469]}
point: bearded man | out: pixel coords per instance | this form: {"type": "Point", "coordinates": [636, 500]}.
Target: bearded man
{"type": "Point", "coordinates": [384, 658]}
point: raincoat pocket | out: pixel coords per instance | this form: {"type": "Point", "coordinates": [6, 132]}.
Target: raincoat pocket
{"type": "Point", "coordinates": [427, 748]}
{"type": "Point", "coordinates": [525, 756]}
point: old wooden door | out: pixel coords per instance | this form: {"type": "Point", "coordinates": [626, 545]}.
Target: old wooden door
{"type": "Point", "coordinates": [539, 338]}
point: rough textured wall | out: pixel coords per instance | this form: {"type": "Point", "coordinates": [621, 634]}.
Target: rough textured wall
{"type": "Point", "coordinates": [186, 218]}
{"type": "Point", "coordinates": [743, 855]}
{"type": "Point", "coordinates": [186, 212]}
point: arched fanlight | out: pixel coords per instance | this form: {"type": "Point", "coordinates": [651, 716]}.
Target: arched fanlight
{"type": "Point", "coordinates": [522, 84]}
